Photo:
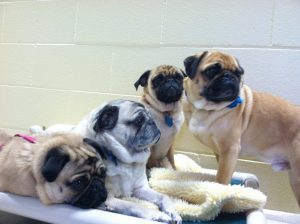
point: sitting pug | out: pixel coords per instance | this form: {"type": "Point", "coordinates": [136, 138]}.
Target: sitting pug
{"type": "Point", "coordinates": [163, 88]}
{"type": "Point", "coordinates": [54, 168]}
{"type": "Point", "coordinates": [234, 120]}
{"type": "Point", "coordinates": [127, 130]}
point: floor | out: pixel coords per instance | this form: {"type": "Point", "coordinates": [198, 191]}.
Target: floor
{"type": "Point", "coordinates": [273, 217]}
{"type": "Point", "coordinates": [6, 218]}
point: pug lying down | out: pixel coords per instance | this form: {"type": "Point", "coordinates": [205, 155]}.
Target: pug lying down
{"type": "Point", "coordinates": [60, 168]}
{"type": "Point", "coordinates": [128, 131]}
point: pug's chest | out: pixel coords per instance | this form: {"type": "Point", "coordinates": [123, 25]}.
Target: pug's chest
{"type": "Point", "coordinates": [169, 124]}
{"type": "Point", "coordinates": [204, 127]}
{"type": "Point", "coordinates": [123, 179]}
{"type": "Point", "coordinates": [168, 130]}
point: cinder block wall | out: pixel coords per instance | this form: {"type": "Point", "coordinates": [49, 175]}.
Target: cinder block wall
{"type": "Point", "coordinates": [59, 59]}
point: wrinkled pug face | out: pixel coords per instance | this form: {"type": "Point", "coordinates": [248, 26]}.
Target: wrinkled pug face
{"type": "Point", "coordinates": [74, 173]}
{"type": "Point", "coordinates": [129, 122]}
{"type": "Point", "coordinates": [164, 82]}
{"type": "Point", "coordinates": [215, 76]}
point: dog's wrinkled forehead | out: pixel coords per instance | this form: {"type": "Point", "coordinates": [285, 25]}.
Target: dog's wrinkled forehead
{"type": "Point", "coordinates": [166, 70]}
{"type": "Point", "coordinates": [198, 63]}
{"type": "Point", "coordinates": [130, 108]}
{"type": "Point", "coordinates": [125, 103]}
{"type": "Point", "coordinates": [226, 61]}
{"type": "Point", "coordinates": [68, 150]}
{"type": "Point", "coordinates": [111, 114]}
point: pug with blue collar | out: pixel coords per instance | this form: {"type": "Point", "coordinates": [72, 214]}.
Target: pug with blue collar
{"type": "Point", "coordinates": [234, 120]}
{"type": "Point", "coordinates": [162, 94]}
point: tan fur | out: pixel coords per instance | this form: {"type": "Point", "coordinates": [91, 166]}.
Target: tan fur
{"type": "Point", "coordinates": [21, 163]}
{"type": "Point", "coordinates": [163, 149]}
{"type": "Point", "coordinates": [264, 126]}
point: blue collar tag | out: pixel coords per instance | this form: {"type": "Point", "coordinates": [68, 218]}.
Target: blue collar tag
{"type": "Point", "coordinates": [169, 120]}
{"type": "Point", "coordinates": [235, 103]}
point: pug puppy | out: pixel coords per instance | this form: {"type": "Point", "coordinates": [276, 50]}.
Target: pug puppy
{"type": "Point", "coordinates": [234, 120]}
{"type": "Point", "coordinates": [55, 168]}
{"type": "Point", "coordinates": [163, 88]}
{"type": "Point", "coordinates": [127, 130]}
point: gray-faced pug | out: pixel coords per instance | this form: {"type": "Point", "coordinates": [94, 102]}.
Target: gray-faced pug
{"type": "Point", "coordinates": [127, 130]}
{"type": "Point", "coordinates": [234, 120]}
{"type": "Point", "coordinates": [163, 89]}
{"type": "Point", "coordinates": [62, 168]}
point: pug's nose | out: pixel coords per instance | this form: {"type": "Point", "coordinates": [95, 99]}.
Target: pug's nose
{"type": "Point", "coordinates": [96, 184]}
{"type": "Point", "coordinates": [172, 91]}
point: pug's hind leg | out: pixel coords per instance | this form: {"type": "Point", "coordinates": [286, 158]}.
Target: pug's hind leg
{"type": "Point", "coordinates": [133, 209]}
{"type": "Point", "coordinates": [152, 161]}
{"type": "Point", "coordinates": [295, 184]}
{"type": "Point", "coordinates": [294, 172]}
{"type": "Point", "coordinates": [162, 201]}
{"type": "Point", "coordinates": [170, 157]}
{"type": "Point", "coordinates": [217, 157]}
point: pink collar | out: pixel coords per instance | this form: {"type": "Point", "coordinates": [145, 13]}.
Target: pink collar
{"type": "Point", "coordinates": [28, 138]}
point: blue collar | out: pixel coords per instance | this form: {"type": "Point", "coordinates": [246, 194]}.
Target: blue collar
{"type": "Point", "coordinates": [169, 120]}
{"type": "Point", "coordinates": [235, 103]}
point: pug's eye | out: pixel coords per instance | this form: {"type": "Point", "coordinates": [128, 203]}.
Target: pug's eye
{"type": "Point", "coordinates": [79, 183]}
{"type": "Point", "coordinates": [102, 172]}
{"type": "Point", "coordinates": [238, 73]}
{"type": "Point", "coordinates": [212, 71]}
{"type": "Point", "coordinates": [91, 160]}
{"type": "Point", "coordinates": [139, 121]}
{"type": "Point", "coordinates": [179, 77]}
{"type": "Point", "coordinates": [157, 80]}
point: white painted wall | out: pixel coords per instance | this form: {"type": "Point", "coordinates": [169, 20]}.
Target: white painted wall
{"type": "Point", "coordinates": [61, 58]}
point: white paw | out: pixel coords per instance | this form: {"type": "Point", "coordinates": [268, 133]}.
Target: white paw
{"type": "Point", "coordinates": [158, 216]}
{"type": "Point", "coordinates": [176, 219]}
{"type": "Point", "coordinates": [170, 211]}
{"type": "Point", "coordinates": [35, 129]}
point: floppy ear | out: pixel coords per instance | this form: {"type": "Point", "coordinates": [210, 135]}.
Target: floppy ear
{"type": "Point", "coordinates": [191, 64]}
{"type": "Point", "coordinates": [142, 80]}
{"type": "Point", "coordinates": [55, 161]}
{"type": "Point", "coordinates": [107, 118]}
{"type": "Point", "coordinates": [99, 148]}
{"type": "Point", "coordinates": [240, 69]}
{"type": "Point", "coordinates": [183, 73]}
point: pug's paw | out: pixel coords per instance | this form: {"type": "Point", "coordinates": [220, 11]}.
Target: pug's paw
{"type": "Point", "coordinates": [36, 129]}
{"type": "Point", "coordinates": [158, 216]}
{"type": "Point", "coordinates": [176, 219]}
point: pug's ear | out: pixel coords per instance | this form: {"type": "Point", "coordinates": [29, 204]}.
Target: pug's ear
{"type": "Point", "coordinates": [99, 148]}
{"type": "Point", "coordinates": [55, 161]}
{"type": "Point", "coordinates": [191, 64]}
{"type": "Point", "coordinates": [240, 70]}
{"type": "Point", "coordinates": [107, 118]}
{"type": "Point", "coordinates": [183, 73]}
{"type": "Point", "coordinates": [142, 80]}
